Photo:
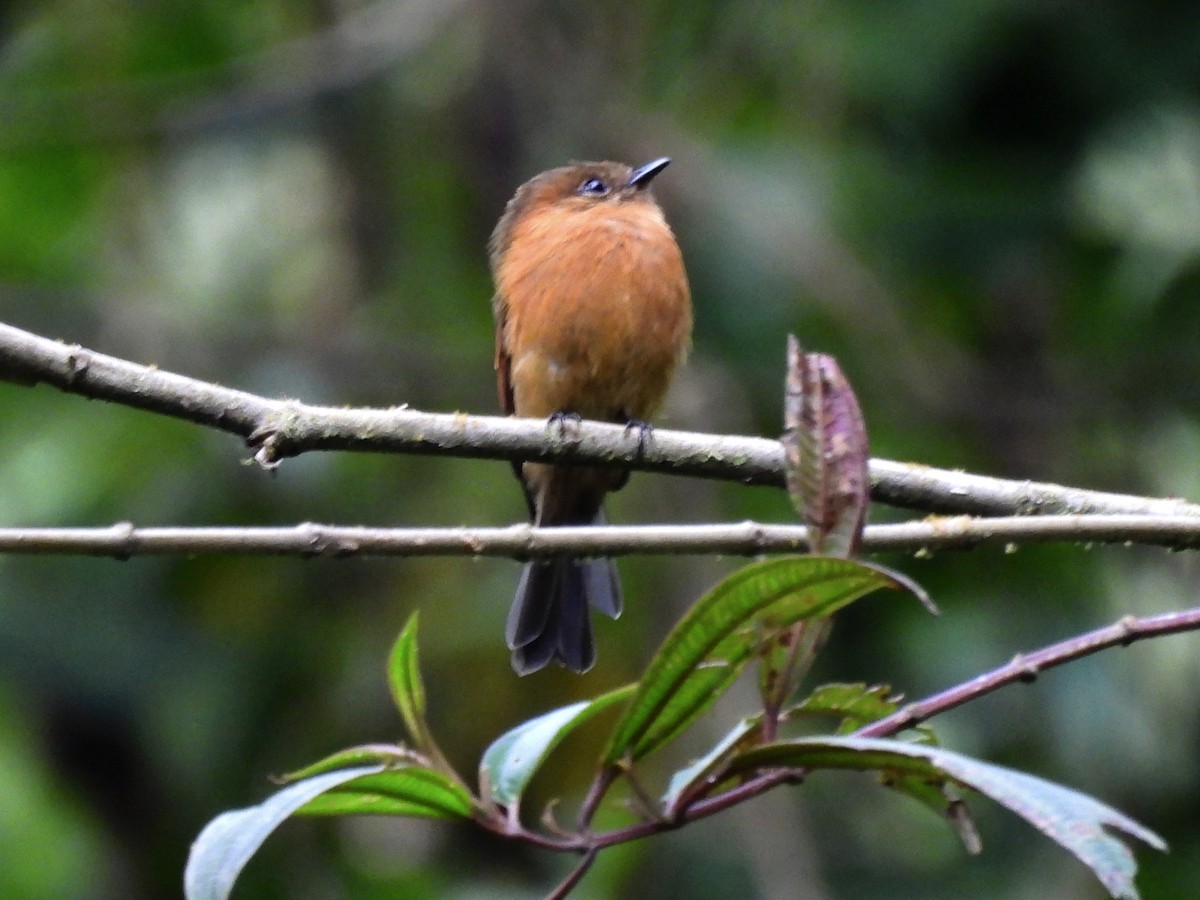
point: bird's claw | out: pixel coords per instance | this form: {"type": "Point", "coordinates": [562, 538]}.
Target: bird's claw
{"type": "Point", "coordinates": [645, 434]}
{"type": "Point", "coordinates": [565, 422]}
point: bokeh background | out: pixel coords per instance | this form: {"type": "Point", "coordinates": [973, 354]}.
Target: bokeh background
{"type": "Point", "coordinates": [989, 211]}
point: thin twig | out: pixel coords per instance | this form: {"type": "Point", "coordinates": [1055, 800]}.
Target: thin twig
{"type": "Point", "coordinates": [1025, 667]}
{"type": "Point", "coordinates": [599, 787]}
{"type": "Point", "coordinates": [124, 540]}
{"type": "Point", "coordinates": [281, 428]}
{"type": "Point", "coordinates": [702, 809]}
{"type": "Point", "coordinates": [572, 879]}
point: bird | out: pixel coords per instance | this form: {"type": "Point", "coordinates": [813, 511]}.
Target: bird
{"type": "Point", "coordinates": [593, 315]}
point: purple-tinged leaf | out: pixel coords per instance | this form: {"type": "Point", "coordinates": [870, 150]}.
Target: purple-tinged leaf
{"type": "Point", "coordinates": [825, 452]}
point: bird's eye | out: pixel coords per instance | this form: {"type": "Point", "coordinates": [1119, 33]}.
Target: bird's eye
{"type": "Point", "coordinates": [593, 187]}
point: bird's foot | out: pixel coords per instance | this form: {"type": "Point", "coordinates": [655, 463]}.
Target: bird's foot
{"type": "Point", "coordinates": [645, 434]}
{"type": "Point", "coordinates": [567, 424]}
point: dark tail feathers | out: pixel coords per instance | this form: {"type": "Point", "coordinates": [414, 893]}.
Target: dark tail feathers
{"type": "Point", "coordinates": [549, 619]}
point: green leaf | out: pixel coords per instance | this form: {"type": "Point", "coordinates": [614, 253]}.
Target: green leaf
{"type": "Point", "coordinates": [404, 681]}
{"type": "Point", "coordinates": [704, 653]}
{"type": "Point", "coordinates": [363, 755]}
{"type": "Point", "coordinates": [1081, 824]}
{"type": "Point", "coordinates": [405, 791]}
{"type": "Point", "coordinates": [227, 843]}
{"type": "Point", "coordinates": [512, 759]}
{"type": "Point", "coordinates": [855, 705]}
{"type": "Point", "coordinates": [408, 692]}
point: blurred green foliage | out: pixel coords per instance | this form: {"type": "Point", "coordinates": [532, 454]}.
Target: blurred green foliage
{"type": "Point", "coordinates": [989, 212]}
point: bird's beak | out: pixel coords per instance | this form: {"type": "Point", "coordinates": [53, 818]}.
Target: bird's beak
{"type": "Point", "coordinates": [645, 174]}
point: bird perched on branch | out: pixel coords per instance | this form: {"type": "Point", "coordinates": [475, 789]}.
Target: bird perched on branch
{"type": "Point", "coordinates": [593, 315]}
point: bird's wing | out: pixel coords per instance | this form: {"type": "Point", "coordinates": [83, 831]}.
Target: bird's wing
{"type": "Point", "coordinates": [503, 361]}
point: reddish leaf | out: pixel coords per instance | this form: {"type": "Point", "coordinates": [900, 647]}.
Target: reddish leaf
{"type": "Point", "coordinates": [825, 452]}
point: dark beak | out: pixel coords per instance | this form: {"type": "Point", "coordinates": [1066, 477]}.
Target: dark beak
{"type": "Point", "coordinates": [644, 175]}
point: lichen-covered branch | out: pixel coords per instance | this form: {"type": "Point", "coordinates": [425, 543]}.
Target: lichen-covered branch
{"type": "Point", "coordinates": [277, 429]}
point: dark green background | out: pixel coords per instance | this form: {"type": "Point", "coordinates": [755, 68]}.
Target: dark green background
{"type": "Point", "coordinates": [989, 211]}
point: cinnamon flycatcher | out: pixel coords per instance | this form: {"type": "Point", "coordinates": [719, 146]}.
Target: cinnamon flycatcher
{"type": "Point", "coordinates": [593, 315]}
